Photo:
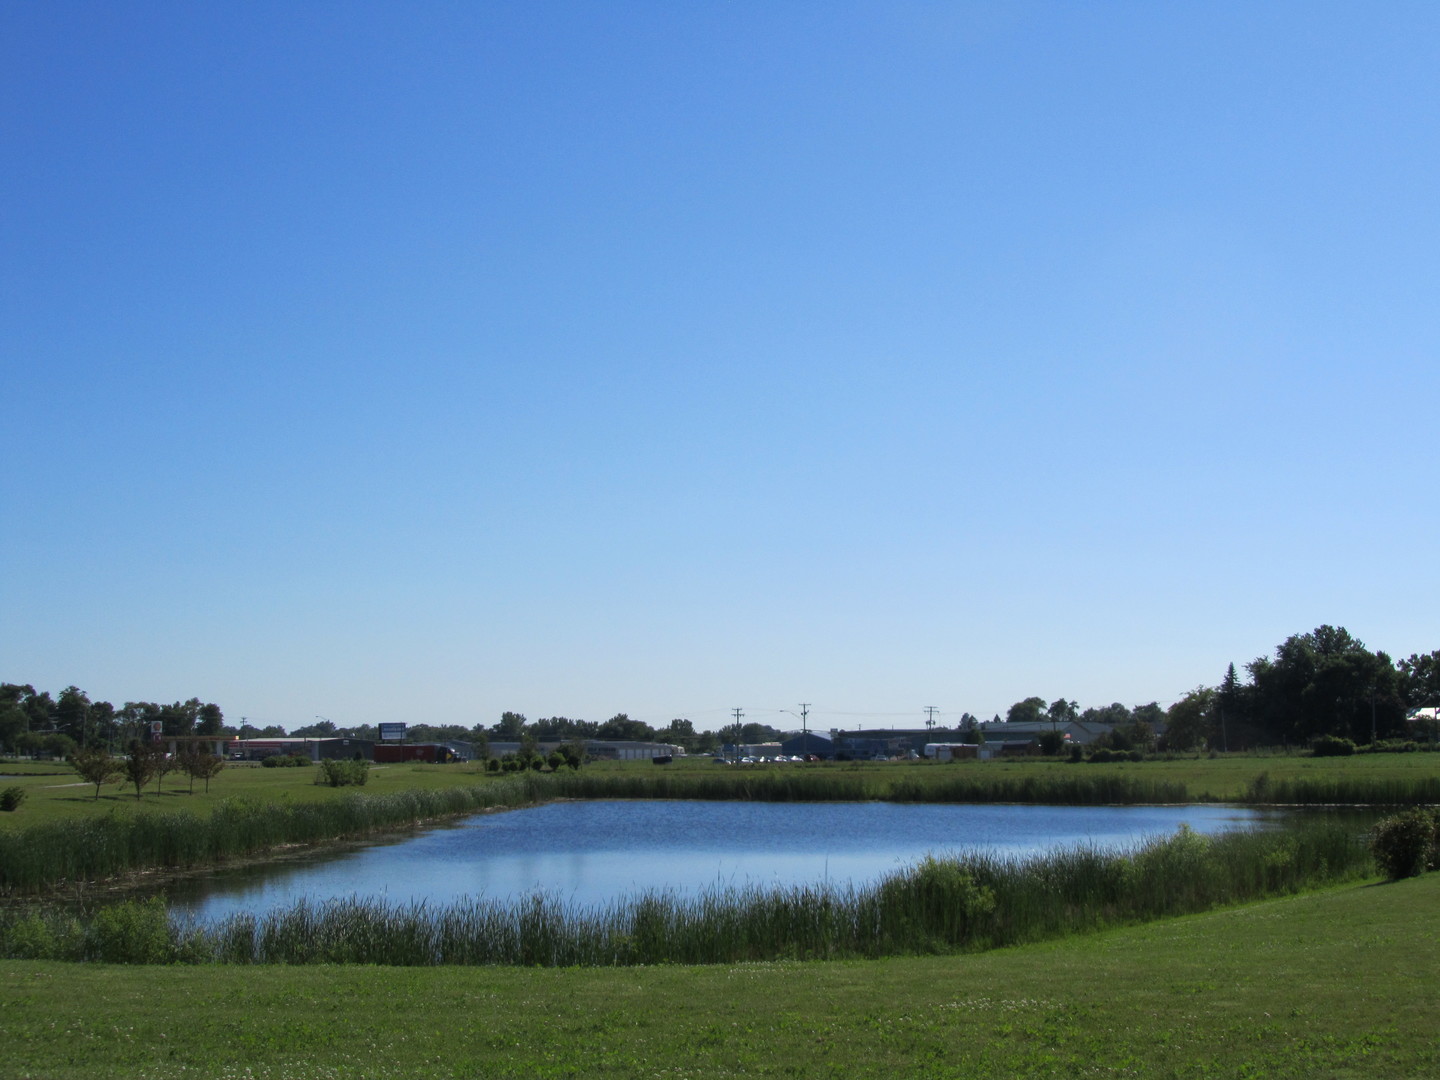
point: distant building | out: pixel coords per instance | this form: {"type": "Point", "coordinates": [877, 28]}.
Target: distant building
{"type": "Point", "coordinates": [809, 742]}
{"type": "Point", "coordinates": [328, 748]}
{"type": "Point", "coordinates": [596, 749]}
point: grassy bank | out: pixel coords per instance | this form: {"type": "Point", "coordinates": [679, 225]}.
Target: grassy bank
{"type": "Point", "coordinates": [1323, 985]}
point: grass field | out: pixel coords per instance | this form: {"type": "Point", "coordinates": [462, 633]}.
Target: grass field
{"type": "Point", "coordinates": [53, 792]}
{"type": "Point", "coordinates": [1334, 984]}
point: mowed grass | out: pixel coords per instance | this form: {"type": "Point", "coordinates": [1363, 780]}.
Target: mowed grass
{"type": "Point", "coordinates": [1331, 984]}
{"type": "Point", "coordinates": [53, 792]}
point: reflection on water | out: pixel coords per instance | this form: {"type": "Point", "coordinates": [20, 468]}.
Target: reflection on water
{"type": "Point", "coordinates": [595, 852]}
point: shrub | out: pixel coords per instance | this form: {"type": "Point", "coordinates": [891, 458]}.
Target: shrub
{"type": "Point", "coordinates": [1051, 742]}
{"type": "Point", "coordinates": [133, 932]}
{"type": "Point", "coordinates": [1077, 753]}
{"type": "Point", "coordinates": [11, 798]}
{"type": "Point", "coordinates": [1405, 845]}
{"type": "Point", "coordinates": [1332, 746]}
{"type": "Point", "coordinates": [338, 772]}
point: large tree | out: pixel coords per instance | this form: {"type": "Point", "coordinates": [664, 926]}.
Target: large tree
{"type": "Point", "coordinates": [1062, 712]}
{"type": "Point", "coordinates": [1326, 683]}
{"type": "Point", "coordinates": [510, 727]}
{"type": "Point", "coordinates": [1027, 711]}
{"type": "Point", "coordinates": [1189, 720]}
{"type": "Point", "coordinates": [1420, 680]}
{"type": "Point", "coordinates": [621, 728]}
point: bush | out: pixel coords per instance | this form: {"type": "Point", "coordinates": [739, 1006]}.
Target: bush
{"type": "Point", "coordinates": [1077, 753]}
{"type": "Point", "coordinates": [1332, 746]}
{"type": "Point", "coordinates": [11, 798]}
{"type": "Point", "coordinates": [1407, 844]}
{"type": "Point", "coordinates": [1051, 742]}
{"type": "Point", "coordinates": [285, 761]}
{"type": "Point", "coordinates": [338, 772]}
{"type": "Point", "coordinates": [133, 932]}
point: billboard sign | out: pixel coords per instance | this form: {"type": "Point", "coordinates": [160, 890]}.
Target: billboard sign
{"type": "Point", "coordinates": [392, 732]}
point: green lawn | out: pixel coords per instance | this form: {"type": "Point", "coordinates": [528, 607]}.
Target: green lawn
{"type": "Point", "coordinates": [1326, 985]}
{"type": "Point", "coordinates": [54, 791]}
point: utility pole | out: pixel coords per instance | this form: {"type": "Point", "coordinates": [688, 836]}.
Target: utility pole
{"type": "Point", "coordinates": [930, 711]}
{"type": "Point", "coordinates": [738, 714]}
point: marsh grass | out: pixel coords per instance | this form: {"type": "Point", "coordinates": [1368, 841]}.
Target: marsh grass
{"type": "Point", "coordinates": [56, 852]}
{"type": "Point", "coordinates": [969, 901]}
{"type": "Point", "coordinates": [1343, 790]}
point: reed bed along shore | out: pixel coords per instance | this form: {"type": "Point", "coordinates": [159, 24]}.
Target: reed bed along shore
{"type": "Point", "coordinates": [45, 855]}
{"type": "Point", "coordinates": [49, 855]}
{"type": "Point", "coordinates": [1344, 791]}
{"type": "Point", "coordinates": [964, 902]}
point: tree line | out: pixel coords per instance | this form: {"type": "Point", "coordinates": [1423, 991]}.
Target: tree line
{"type": "Point", "coordinates": [1325, 683]}
{"type": "Point", "coordinates": [1321, 684]}
{"type": "Point", "coordinates": [32, 721]}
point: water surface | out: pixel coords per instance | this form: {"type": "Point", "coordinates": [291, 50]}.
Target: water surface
{"type": "Point", "coordinates": [595, 852]}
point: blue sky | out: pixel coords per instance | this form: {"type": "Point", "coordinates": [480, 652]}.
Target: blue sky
{"type": "Point", "coordinates": [394, 361]}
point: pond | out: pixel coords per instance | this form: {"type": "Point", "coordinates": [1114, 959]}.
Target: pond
{"type": "Point", "coordinates": [590, 853]}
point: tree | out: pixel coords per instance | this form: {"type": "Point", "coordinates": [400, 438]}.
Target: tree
{"type": "Point", "coordinates": [94, 765]}
{"type": "Point", "coordinates": [72, 713]}
{"type": "Point", "coordinates": [317, 730]}
{"type": "Point", "coordinates": [104, 724]}
{"type": "Point", "coordinates": [14, 722]}
{"type": "Point", "coordinates": [199, 764]}
{"type": "Point", "coordinates": [1027, 711]}
{"type": "Point", "coordinates": [142, 764]}
{"type": "Point", "coordinates": [529, 750]}
{"type": "Point", "coordinates": [679, 733]}
{"type": "Point", "coordinates": [1420, 680]}
{"type": "Point", "coordinates": [759, 733]}
{"type": "Point", "coordinates": [1189, 720]}
{"type": "Point", "coordinates": [1051, 742]}
{"type": "Point", "coordinates": [1114, 714]}
{"type": "Point", "coordinates": [211, 721]}
{"type": "Point", "coordinates": [621, 728]}
{"type": "Point", "coordinates": [510, 726]}
{"type": "Point", "coordinates": [1063, 712]}
{"type": "Point", "coordinates": [1326, 683]}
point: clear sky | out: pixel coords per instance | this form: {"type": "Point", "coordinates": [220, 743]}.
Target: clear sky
{"type": "Point", "coordinates": [423, 361]}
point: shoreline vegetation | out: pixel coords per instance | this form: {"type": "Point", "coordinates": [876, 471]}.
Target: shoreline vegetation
{"type": "Point", "coordinates": [969, 902]}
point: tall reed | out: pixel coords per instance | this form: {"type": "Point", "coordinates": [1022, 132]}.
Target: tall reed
{"type": "Point", "coordinates": [42, 856]}
{"type": "Point", "coordinates": [963, 902]}
{"type": "Point", "coordinates": [1345, 791]}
